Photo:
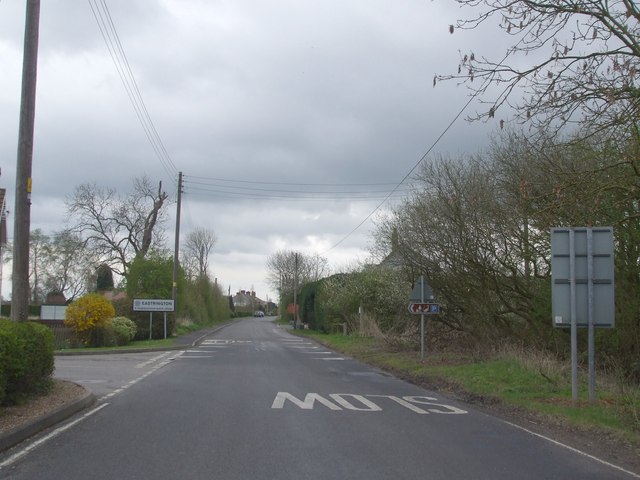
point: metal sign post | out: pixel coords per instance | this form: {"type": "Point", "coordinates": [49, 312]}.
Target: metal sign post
{"type": "Point", "coordinates": [591, 329]}
{"type": "Point", "coordinates": [583, 293]}
{"type": "Point", "coordinates": [420, 293]}
{"type": "Point", "coordinates": [421, 319]}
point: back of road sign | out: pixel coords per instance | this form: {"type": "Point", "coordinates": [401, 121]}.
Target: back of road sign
{"type": "Point", "coordinates": [421, 291]}
{"type": "Point", "coordinates": [592, 262]}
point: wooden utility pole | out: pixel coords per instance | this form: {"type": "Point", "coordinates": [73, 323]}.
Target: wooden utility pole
{"type": "Point", "coordinates": [177, 245]}
{"type": "Point", "coordinates": [22, 209]}
{"type": "Point", "coordinates": [295, 291]}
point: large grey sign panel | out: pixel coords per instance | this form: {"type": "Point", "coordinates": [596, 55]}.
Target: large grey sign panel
{"type": "Point", "coordinates": [602, 277]}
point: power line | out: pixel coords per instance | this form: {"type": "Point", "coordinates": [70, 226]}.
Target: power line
{"type": "Point", "coordinates": [422, 158]}
{"type": "Point", "coordinates": [291, 183]}
{"type": "Point", "coordinates": [330, 190]}
{"type": "Point", "coordinates": [111, 38]}
{"type": "Point", "coordinates": [291, 196]}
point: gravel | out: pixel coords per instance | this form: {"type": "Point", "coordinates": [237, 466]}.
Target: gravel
{"type": "Point", "coordinates": [61, 393]}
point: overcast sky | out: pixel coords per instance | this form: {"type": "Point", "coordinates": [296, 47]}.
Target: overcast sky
{"type": "Point", "coordinates": [254, 101]}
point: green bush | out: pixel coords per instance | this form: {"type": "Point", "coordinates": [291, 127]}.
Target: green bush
{"type": "Point", "coordinates": [26, 360]}
{"type": "Point", "coordinates": [103, 336]}
{"type": "Point", "coordinates": [141, 320]}
{"type": "Point", "coordinates": [124, 330]}
{"type": "Point", "coordinates": [88, 316]}
{"type": "Point", "coordinates": [8, 348]}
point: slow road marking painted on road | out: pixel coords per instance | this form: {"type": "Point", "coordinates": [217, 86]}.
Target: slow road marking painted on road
{"type": "Point", "coordinates": [363, 403]}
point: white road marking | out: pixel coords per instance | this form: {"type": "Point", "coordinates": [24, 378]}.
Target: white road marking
{"type": "Point", "coordinates": [575, 450]}
{"type": "Point", "coordinates": [345, 401]}
{"type": "Point", "coordinates": [18, 455]}
{"type": "Point", "coordinates": [329, 358]}
{"type": "Point", "coordinates": [319, 353]}
{"type": "Point", "coordinates": [143, 376]}
{"type": "Point", "coordinates": [153, 360]}
{"type": "Point", "coordinates": [222, 342]}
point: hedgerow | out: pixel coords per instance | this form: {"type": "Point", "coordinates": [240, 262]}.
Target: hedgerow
{"type": "Point", "coordinates": [26, 360]}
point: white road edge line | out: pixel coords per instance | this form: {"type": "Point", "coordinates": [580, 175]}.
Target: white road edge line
{"type": "Point", "coordinates": [575, 450]}
{"type": "Point", "coordinates": [18, 455]}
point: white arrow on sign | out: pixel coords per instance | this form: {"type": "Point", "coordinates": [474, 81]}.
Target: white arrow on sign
{"type": "Point", "coordinates": [419, 308]}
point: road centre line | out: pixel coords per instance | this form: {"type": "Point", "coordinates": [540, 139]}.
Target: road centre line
{"type": "Point", "coordinates": [18, 455]}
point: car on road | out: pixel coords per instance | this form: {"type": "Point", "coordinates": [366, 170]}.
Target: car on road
{"type": "Point", "coordinates": [258, 313]}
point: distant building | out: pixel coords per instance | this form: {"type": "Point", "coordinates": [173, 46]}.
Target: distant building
{"type": "Point", "coordinates": [247, 300]}
{"type": "Point", "coordinates": [394, 260]}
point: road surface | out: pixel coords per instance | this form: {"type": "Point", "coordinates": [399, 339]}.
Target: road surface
{"type": "Point", "coordinates": [255, 402]}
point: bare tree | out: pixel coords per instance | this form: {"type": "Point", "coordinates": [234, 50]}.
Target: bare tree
{"type": "Point", "coordinates": [119, 229]}
{"type": "Point", "coordinates": [285, 268]}
{"type": "Point", "coordinates": [582, 65]}
{"type": "Point", "coordinates": [68, 267]}
{"type": "Point", "coordinates": [197, 249]}
{"type": "Point", "coordinates": [38, 242]}
{"type": "Point", "coordinates": [59, 262]}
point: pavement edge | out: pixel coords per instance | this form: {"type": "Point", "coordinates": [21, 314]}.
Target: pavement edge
{"type": "Point", "coordinates": [14, 436]}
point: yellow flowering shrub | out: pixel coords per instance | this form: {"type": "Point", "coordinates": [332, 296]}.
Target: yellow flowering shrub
{"type": "Point", "coordinates": [88, 314]}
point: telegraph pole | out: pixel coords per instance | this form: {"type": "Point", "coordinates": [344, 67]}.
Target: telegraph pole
{"type": "Point", "coordinates": [295, 291]}
{"type": "Point", "coordinates": [22, 210]}
{"type": "Point", "coordinates": [177, 244]}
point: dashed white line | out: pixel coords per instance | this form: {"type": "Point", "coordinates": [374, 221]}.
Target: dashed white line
{"type": "Point", "coordinates": [157, 366]}
{"type": "Point", "coordinates": [153, 360]}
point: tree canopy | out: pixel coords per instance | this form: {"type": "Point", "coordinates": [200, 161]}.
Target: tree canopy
{"type": "Point", "coordinates": [582, 63]}
{"type": "Point", "coordinates": [119, 228]}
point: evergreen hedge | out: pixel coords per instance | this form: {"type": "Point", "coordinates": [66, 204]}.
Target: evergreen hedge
{"type": "Point", "coordinates": [26, 360]}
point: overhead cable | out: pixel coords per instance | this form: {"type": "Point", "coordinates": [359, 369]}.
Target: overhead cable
{"type": "Point", "coordinates": [111, 38]}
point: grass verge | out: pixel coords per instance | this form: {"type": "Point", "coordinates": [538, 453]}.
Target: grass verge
{"type": "Point", "coordinates": [522, 381]}
{"type": "Point", "coordinates": [134, 345]}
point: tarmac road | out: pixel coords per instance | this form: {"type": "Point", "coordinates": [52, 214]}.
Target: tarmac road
{"type": "Point", "coordinates": [253, 401]}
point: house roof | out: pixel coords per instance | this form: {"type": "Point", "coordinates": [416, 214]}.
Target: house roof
{"type": "Point", "coordinates": [246, 298]}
